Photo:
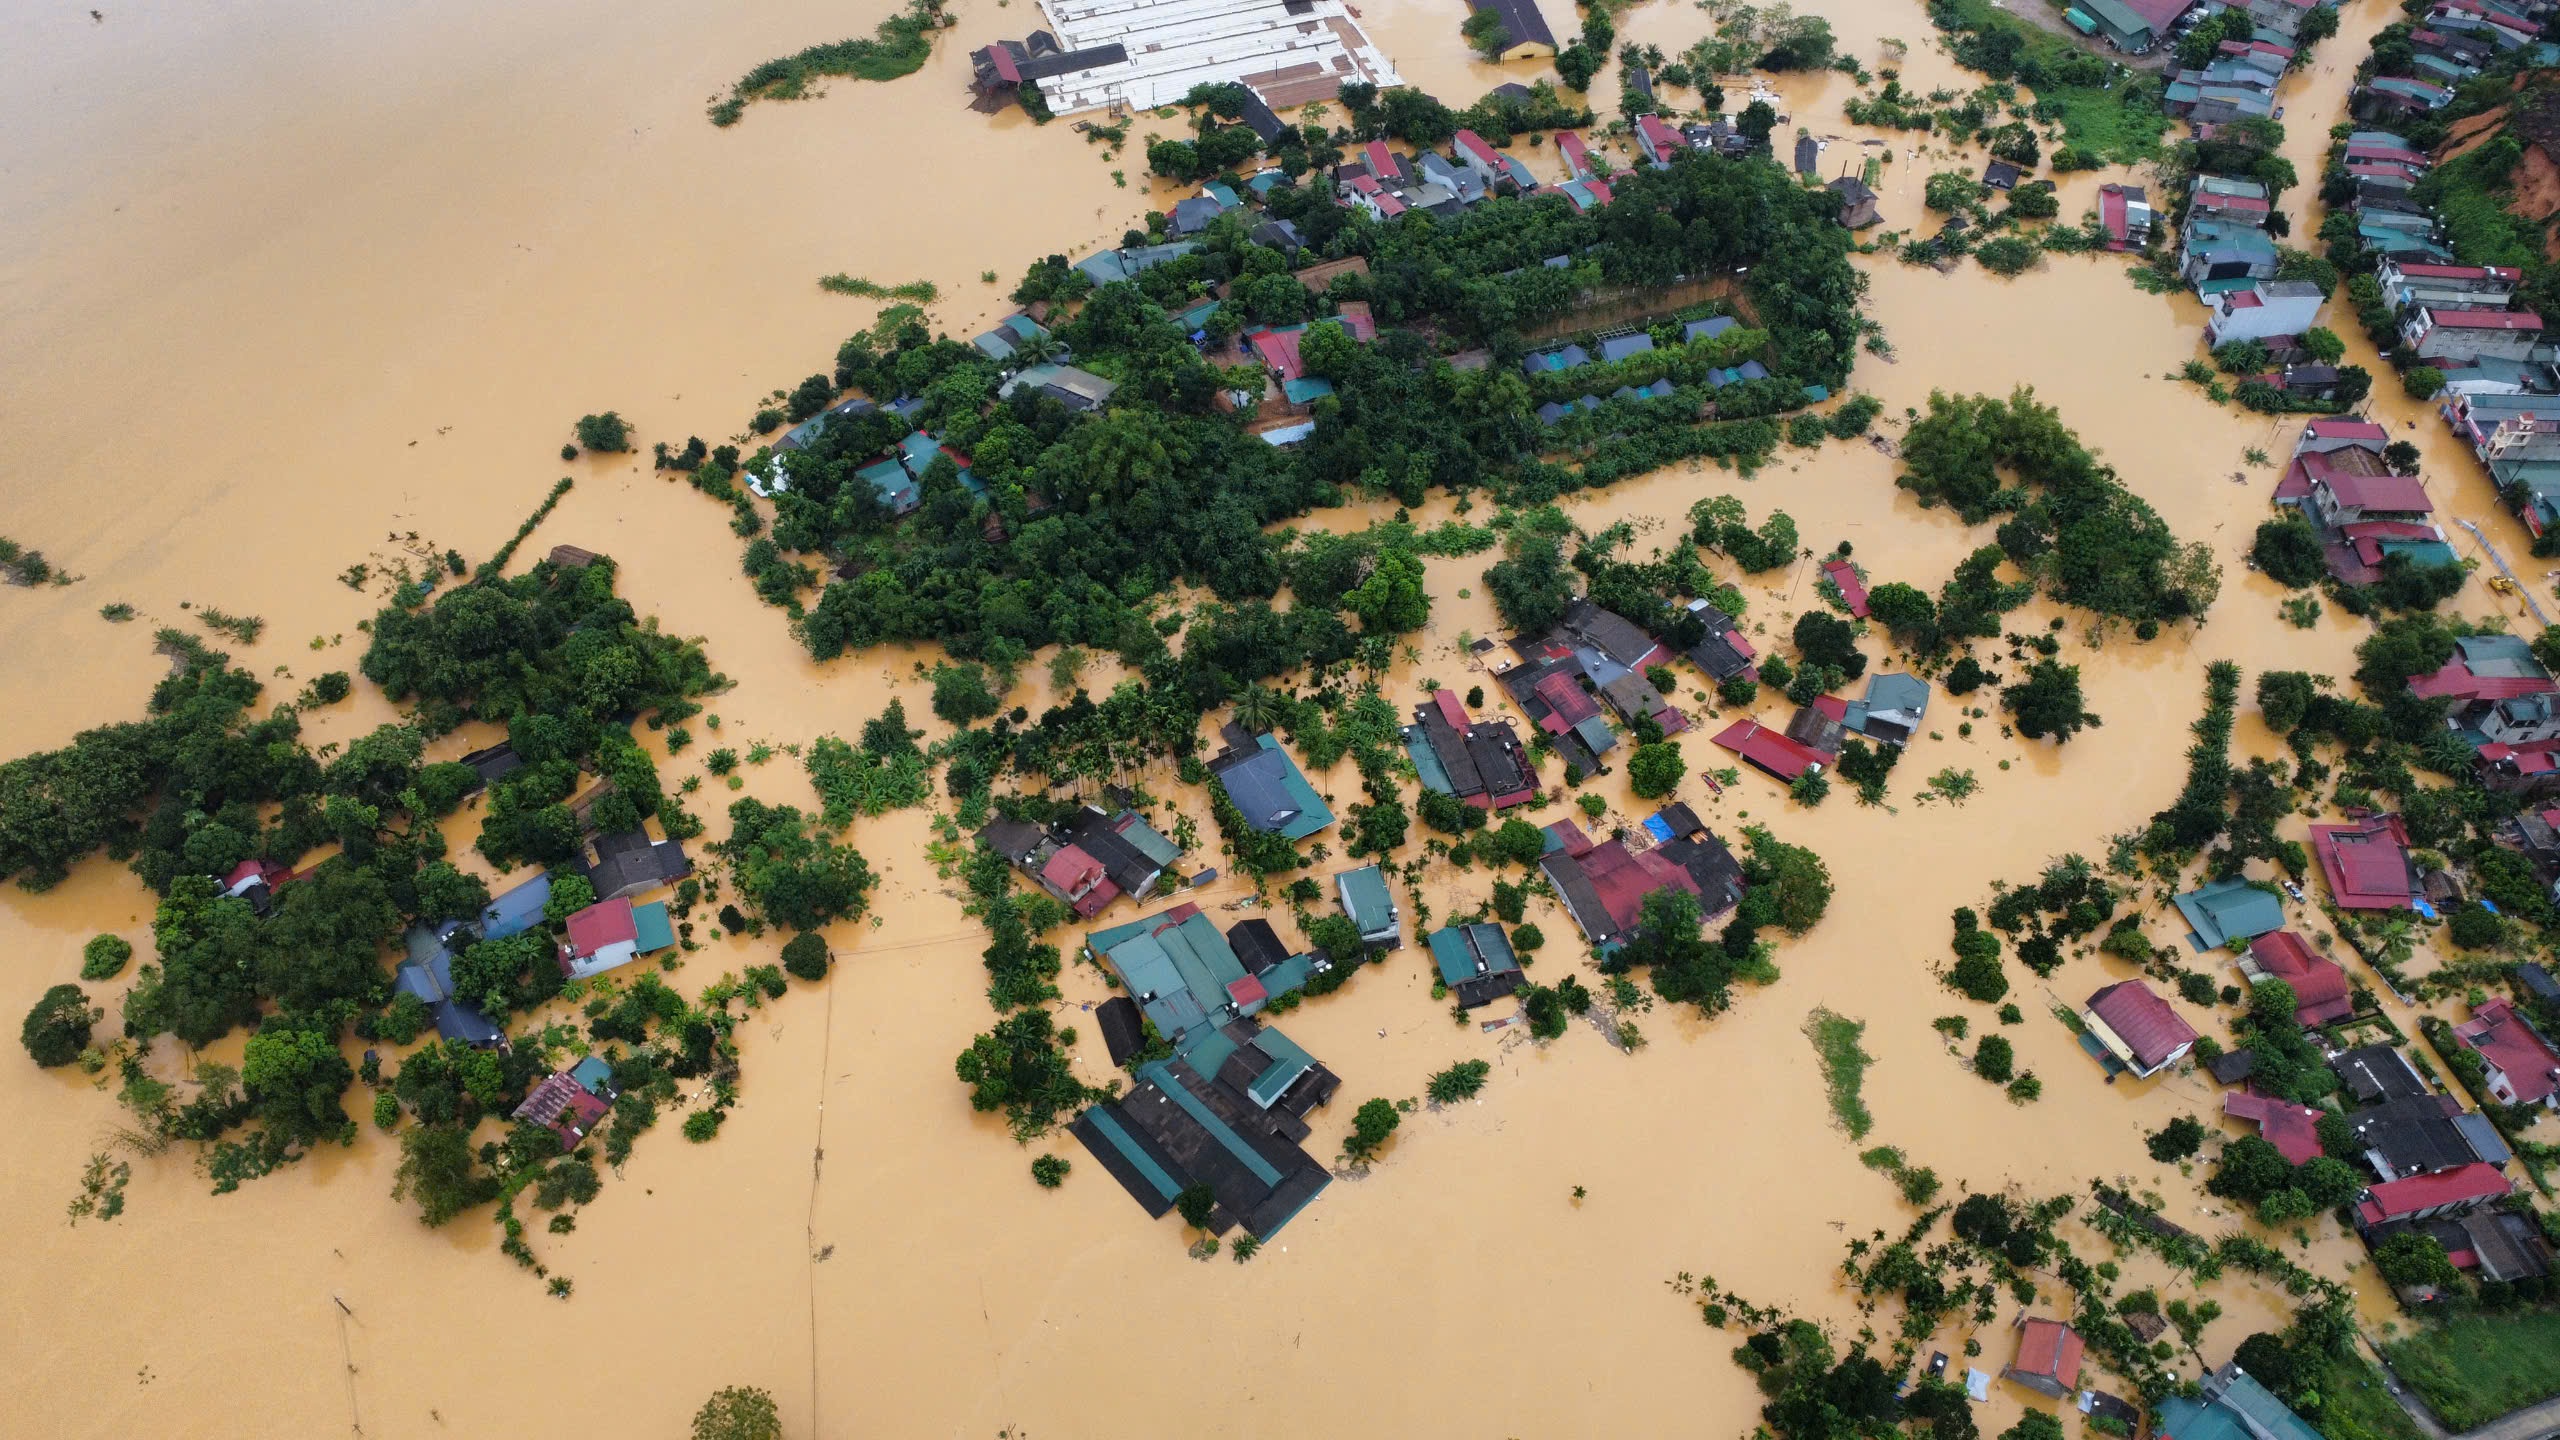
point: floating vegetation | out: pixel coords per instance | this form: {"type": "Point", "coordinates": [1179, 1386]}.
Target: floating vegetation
{"type": "Point", "coordinates": [899, 47]}
{"type": "Point", "coordinates": [921, 292]}
{"type": "Point", "coordinates": [244, 628]}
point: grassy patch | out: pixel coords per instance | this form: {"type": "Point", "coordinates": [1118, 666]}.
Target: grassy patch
{"type": "Point", "coordinates": [2476, 1368]}
{"type": "Point", "coordinates": [1844, 1067]}
{"type": "Point", "coordinates": [2355, 1406]}
{"type": "Point", "coordinates": [922, 292]}
{"type": "Point", "coordinates": [899, 47]}
{"type": "Point", "coordinates": [2103, 109]}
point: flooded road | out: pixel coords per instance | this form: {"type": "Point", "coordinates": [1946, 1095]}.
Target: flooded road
{"type": "Point", "coordinates": [285, 288]}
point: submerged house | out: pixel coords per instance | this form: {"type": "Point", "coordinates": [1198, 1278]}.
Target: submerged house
{"type": "Point", "coordinates": [1611, 653]}
{"type": "Point", "coordinates": [2222, 911]}
{"type": "Point", "coordinates": [1525, 32]}
{"type": "Point", "coordinates": [1723, 651]}
{"type": "Point", "coordinates": [516, 910]}
{"type": "Point", "coordinates": [1892, 712]}
{"type": "Point", "coordinates": [610, 933]}
{"type": "Point", "coordinates": [2367, 863]}
{"type": "Point", "coordinates": [1476, 962]}
{"type": "Point", "coordinates": [1604, 885]}
{"type": "Point", "coordinates": [1478, 761]}
{"type": "Point", "coordinates": [2426, 1197]}
{"type": "Point", "coordinates": [1857, 202]}
{"type": "Point", "coordinates": [427, 973]}
{"type": "Point", "coordinates": [2522, 1066]}
{"type": "Point", "coordinates": [2124, 212]}
{"type": "Point", "coordinates": [1228, 1109]}
{"type": "Point", "coordinates": [1089, 859]}
{"type": "Point", "coordinates": [2500, 693]}
{"type": "Point", "coordinates": [2422, 1135]}
{"type": "Point", "coordinates": [571, 1103]}
{"type": "Point", "coordinates": [1370, 906]}
{"type": "Point", "coordinates": [2320, 989]}
{"type": "Point", "coordinates": [1267, 788]}
{"type": "Point", "coordinates": [2293, 1129]}
{"type": "Point", "coordinates": [1773, 752]}
{"type": "Point", "coordinates": [2138, 1028]}
{"type": "Point", "coordinates": [2230, 1406]}
{"type": "Point", "coordinates": [2373, 1073]}
{"type": "Point", "coordinates": [2048, 1359]}
{"type": "Point", "coordinates": [627, 862]}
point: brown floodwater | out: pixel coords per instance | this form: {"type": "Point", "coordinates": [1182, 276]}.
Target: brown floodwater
{"type": "Point", "coordinates": [285, 289]}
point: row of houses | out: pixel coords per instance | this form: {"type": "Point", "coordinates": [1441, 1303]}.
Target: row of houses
{"type": "Point", "coordinates": [1088, 860]}
{"type": "Point", "coordinates": [2340, 479]}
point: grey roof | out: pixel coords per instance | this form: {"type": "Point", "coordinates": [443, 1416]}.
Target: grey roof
{"type": "Point", "coordinates": [2483, 1137]}
{"type": "Point", "coordinates": [2537, 982]}
{"type": "Point", "coordinates": [2502, 656]}
{"type": "Point", "coordinates": [2411, 1136]}
{"type": "Point", "coordinates": [1707, 329]}
{"type": "Point", "coordinates": [627, 861]}
{"type": "Point", "coordinates": [1192, 216]}
{"type": "Point", "coordinates": [1258, 785]}
{"type": "Point", "coordinates": [2378, 1072]}
{"type": "Point", "coordinates": [1520, 19]}
{"type": "Point", "coordinates": [1619, 347]}
{"type": "Point", "coordinates": [517, 910]}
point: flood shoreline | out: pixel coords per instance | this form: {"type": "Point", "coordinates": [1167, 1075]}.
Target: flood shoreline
{"type": "Point", "coordinates": [314, 281]}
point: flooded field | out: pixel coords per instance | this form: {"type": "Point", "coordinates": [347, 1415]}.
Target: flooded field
{"type": "Point", "coordinates": [286, 288]}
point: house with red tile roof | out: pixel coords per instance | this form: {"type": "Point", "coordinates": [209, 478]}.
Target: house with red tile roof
{"type": "Point", "coordinates": [1658, 141]}
{"type": "Point", "coordinates": [2422, 1197]}
{"type": "Point", "coordinates": [2292, 1129]}
{"type": "Point", "coordinates": [1853, 590]}
{"type": "Point", "coordinates": [2367, 863]}
{"type": "Point", "coordinates": [2320, 990]}
{"type": "Point", "coordinates": [2138, 1028]}
{"type": "Point", "coordinates": [2523, 1068]}
{"type": "Point", "coordinates": [1478, 156]}
{"type": "Point", "coordinates": [2124, 212]}
{"type": "Point", "coordinates": [1604, 886]}
{"type": "Point", "coordinates": [2529, 771]}
{"type": "Point", "coordinates": [2048, 1359]}
{"type": "Point", "coordinates": [1577, 160]}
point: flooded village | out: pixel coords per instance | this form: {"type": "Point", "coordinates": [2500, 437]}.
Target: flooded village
{"type": "Point", "coordinates": [1499, 713]}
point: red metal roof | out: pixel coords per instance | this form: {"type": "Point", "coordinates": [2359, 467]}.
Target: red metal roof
{"type": "Point", "coordinates": [2049, 1349]}
{"type": "Point", "coordinates": [2142, 1020]}
{"type": "Point", "coordinates": [2335, 429]}
{"type": "Point", "coordinates": [1002, 60]}
{"type": "Point", "coordinates": [1569, 145]}
{"type": "Point", "coordinates": [2503, 1039]}
{"type": "Point", "coordinates": [1575, 842]}
{"type": "Point", "coordinates": [1662, 137]}
{"type": "Point", "coordinates": [1071, 870]}
{"type": "Point", "coordinates": [2454, 272]}
{"type": "Point", "coordinates": [1247, 991]}
{"type": "Point", "coordinates": [1599, 191]}
{"type": "Point", "coordinates": [2400, 493]}
{"type": "Point", "coordinates": [1852, 589]}
{"type": "Point", "coordinates": [2367, 863]}
{"type": "Point", "coordinates": [1473, 144]}
{"type": "Point", "coordinates": [2396, 1198]}
{"type": "Point", "coordinates": [1381, 163]}
{"type": "Point", "coordinates": [1451, 710]}
{"type": "Point", "coordinates": [607, 922]}
{"type": "Point", "coordinates": [1278, 350]}
{"type": "Point", "coordinates": [1567, 699]}
{"type": "Point", "coordinates": [1623, 878]}
{"type": "Point", "coordinates": [1769, 749]}
{"type": "Point", "coordinates": [2320, 992]}
{"type": "Point", "coordinates": [2292, 1129]}
{"type": "Point", "coordinates": [2243, 300]}
{"type": "Point", "coordinates": [2484, 319]}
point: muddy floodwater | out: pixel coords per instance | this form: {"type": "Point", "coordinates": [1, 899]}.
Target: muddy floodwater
{"type": "Point", "coordinates": [289, 287]}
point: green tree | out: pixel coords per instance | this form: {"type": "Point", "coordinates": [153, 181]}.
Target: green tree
{"type": "Point", "coordinates": [738, 1413]}
{"type": "Point", "coordinates": [2176, 1140]}
{"type": "Point", "coordinates": [56, 1029]}
{"type": "Point", "coordinates": [570, 894]}
{"type": "Point", "coordinates": [1486, 34]}
{"type": "Point", "coordinates": [1459, 1082]}
{"type": "Point", "coordinates": [2048, 702]}
{"type": "Point", "coordinates": [1654, 770]}
{"type": "Point", "coordinates": [606, 433]}
{"type": "Point", "coordinates": [1370, 1126]}
{"type": "Point", "coordinates": [1050, 1171]}
{"type": "Point", "coordinates": [104, 957]}
{"type": "Point", "coordinates": [2421, 382]}
{"type": "Point", "coordinates": [2324, 344]}
{"type": "Point", "coordinates": [806, 956]}
{"type": "Point", "coordinates": [1950, 191]}
{"type": "Point", "coordinates": [1197, 1204]}
{"type": "Point", "coordinates": [447, 893]}
{"type": "Point", "coordinates": [961, 693]}
{"type": "Point", "coordinates": [2288, 550]}
{"type": "Point", "coordinates": [2413, 1258]}
{"type": "Point", "coordinates": [1392, 600]}
{"type": "Point", "coordinates": [439, 1169]}
{"type": "Point", "coordinates": [2034, 1425]}
{"type": "Point", "coordinates": [1993, 1059]}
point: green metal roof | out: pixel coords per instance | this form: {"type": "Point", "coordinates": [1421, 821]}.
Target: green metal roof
{"type": "Point", "coordinates": [1457, 961]}
{"type": "Point", "coordinates": [2243, 1411]}
{"type": "Point", "coordinates": [1365, 899]}
{"type": "Point", "coordinates": [650, 926]}
{"type": "Point", "coordinates": [2080, 22]}
{"type": "Point", "coordinates": [2422, 552]}
{"type": "Point", "coordinates": [1139, 1160]}
{"type": "Point", "coordinates": [1426, 761]}
{"type": "Point", "coordinates": [1162, 1077]}
{"type": "Point", "coordinates": [2117, 18]}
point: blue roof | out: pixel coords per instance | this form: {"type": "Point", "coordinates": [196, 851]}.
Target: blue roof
{"type": "Point", "coordinates": [890, 481]}
{"type": "Point", "coordinates": [2243, 1411]}
{"type": "Point", "coordinates": [1620, 347]}
{"type": "Point", "coordinates": [1306, 389]}
{"type": "Point", "coordinates": [1366, 900]}
{"type": "Point", "coordinates": [593, 1074]}
{"type": "Point", "coordinates": [2228, 910]}
{"type": "Point", "coordinates": [1707, 329]}
{"type": "Point", "coordinates": [516, 911]}
{"type": "Point", "coordinates": [1457, 948]}
{"type": "Point", "coordinates": [651, 927]}
{"type": "Point", "coordinates": [1268, 790]}
{"type": "Point", "coordinates": [1426, 761]}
